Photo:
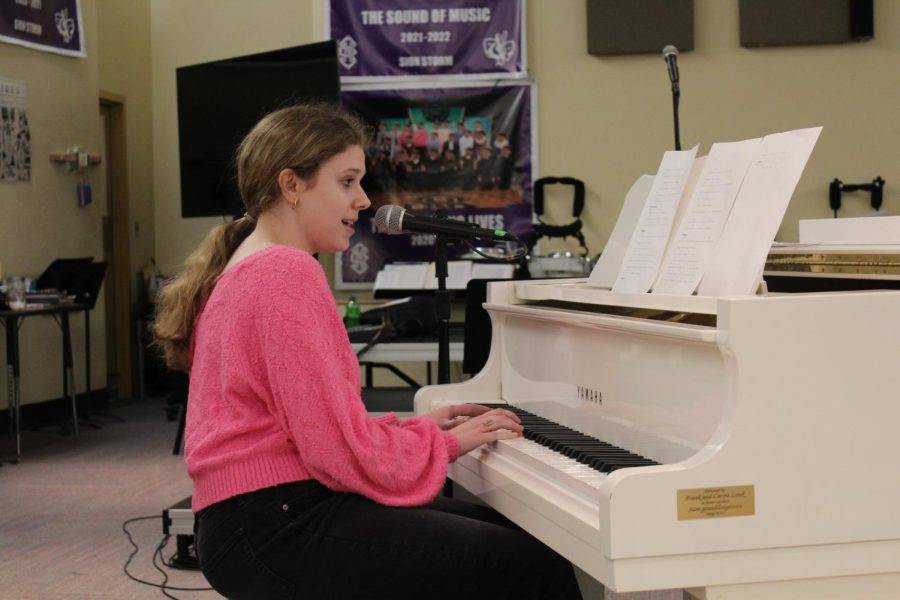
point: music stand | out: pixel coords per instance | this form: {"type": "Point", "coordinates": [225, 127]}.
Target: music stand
{"type": "Point", "coordinates": [87, 282]}
{"type": "Point", "coordinates": [81, 278]}
{"type": "Point", "coordinates": [62, 274]}
{"type": "Point", "coordinates": [85, 286]}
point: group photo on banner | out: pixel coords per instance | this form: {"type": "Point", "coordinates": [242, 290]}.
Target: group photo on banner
{"type": "Point", "coordinates": [466, 150]}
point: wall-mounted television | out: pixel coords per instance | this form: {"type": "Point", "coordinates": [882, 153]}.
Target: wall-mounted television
{"type": "Point", "coordinates": [218, 103]}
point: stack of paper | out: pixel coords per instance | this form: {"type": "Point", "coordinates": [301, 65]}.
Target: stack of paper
{"type": "Point", "coordinates": [705, 224]}
{"type": "Point", "coordinates": [420, 276]}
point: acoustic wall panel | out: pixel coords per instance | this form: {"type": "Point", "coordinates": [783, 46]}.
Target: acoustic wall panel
{"type": "Point", "coordinates": [804, 22]}
{"type": "Point", "coordinates": [639, 26]}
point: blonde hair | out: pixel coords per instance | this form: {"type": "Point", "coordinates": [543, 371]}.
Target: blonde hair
{"type": "Point", "coordinates": [299, 138]}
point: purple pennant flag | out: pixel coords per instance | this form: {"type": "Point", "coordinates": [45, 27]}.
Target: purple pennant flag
{"type": "Point", "coordinates": [49, 25]}
{"type": "Point", "coordinates": [390, 38]}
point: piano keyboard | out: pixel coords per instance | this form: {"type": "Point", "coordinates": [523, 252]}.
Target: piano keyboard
{"type": "Point", "coordinates": [564, 455]}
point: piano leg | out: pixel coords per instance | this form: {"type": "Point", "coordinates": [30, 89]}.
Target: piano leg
{"type": "Point", "coordinates": [859, 587]}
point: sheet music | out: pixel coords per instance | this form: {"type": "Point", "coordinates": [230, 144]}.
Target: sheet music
{"type": "Point", "coordinates": [458, 274]}
{"type": "Point", "coordinates": [492, 271]}
{"type": "Point", "coordinates": [705, 216]}
{"type": "Point", "coordinates": [607, 268]}
{"type": "Point", "coordinates": [401, 276]}
{"type": "Point", "coordinates": [689, 187]}
{"type": "Point", "coordinates": [651, 235]}
{"type": "Point", "coordinates": [740, 255]}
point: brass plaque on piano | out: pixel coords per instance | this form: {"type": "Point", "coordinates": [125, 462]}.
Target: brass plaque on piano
{"type": "Point", "coordinates": [715, 503]}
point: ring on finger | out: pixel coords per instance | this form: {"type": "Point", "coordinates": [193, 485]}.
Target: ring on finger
{"type": "Point", "coordinates": [488, 424]}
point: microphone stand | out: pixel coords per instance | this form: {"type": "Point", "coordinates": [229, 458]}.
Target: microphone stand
{"type": "Point", "coordinates": [442, 302]}
{"type": "Point", "coordinates": [676, 96]}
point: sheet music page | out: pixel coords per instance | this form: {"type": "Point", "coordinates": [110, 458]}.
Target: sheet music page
{"type": "Point", "coordinates": [689, 187]}
{"type": "Point", "coordinates": [740, 255]}
{"type": "Point", "coordinates": [492, 270]}
{"type": "Point", "coordinates": [706, 212]}
{"type": "Point", "coordinates": [607, 268]}
{"type": "Point", "coordinates": [459, 272]}
{"type": "Point", "coordinates": [651, 235]}
{"type": "Point", "coordinates": [405, 276]}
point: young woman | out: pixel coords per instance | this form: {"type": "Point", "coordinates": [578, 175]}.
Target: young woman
{"type": "Point", "coordinates": [298, 493]}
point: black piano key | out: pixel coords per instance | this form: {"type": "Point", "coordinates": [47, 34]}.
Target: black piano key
{"type": "Point", "coordinates": [600, 458]}
{"type": "Point", "coordinates": [560, 444]}
{"type": "Point", "coordinates": [608, 465]}
{"type": "Point", "coordinates": [582, 447]}
{"type": "Point", "coordinates": [585, 455]}
{"type": "Point", "coordinates": [615, 467]}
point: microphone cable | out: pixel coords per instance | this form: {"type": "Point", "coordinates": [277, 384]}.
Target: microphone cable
{"type": "Point", "coordinates": [523, 250]}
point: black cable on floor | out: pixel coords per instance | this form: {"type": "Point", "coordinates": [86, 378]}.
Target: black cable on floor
{"type": "Point", "coordinates": [156, 553]}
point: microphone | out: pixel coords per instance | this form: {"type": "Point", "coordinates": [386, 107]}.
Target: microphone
{"type": "Point", "coordinates": [670, 55]}
{"type": "Point", "coordinates": [392, 219]}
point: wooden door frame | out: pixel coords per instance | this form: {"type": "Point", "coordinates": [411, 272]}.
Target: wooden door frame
{"type": "Point", "coordinates": [117, 203]}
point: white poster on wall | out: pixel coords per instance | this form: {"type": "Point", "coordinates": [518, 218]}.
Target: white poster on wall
{"type": "Point", "coordinates": [15, 135]}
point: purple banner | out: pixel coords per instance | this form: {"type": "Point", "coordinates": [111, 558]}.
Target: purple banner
{"type": "Point", "coordinates": [389, 38]}
{"type": "Point", "coordinates": [467, 150]}
{"type": "Point", "coordinates": [49, 25]}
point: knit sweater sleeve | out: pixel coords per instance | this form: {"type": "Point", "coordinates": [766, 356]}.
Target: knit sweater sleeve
{"type": "Point", "coordinates": [313, 377]}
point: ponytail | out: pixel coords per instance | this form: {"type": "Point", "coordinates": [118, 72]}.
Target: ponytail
{"type": "Point", "coordinates": [180, 301]}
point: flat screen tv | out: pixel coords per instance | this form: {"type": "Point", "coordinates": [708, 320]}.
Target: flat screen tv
{"type": "Point", "coordinates": [218, 103]}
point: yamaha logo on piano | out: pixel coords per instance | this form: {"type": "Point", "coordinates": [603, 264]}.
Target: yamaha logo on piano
{"type": "Point", "coordinates": [589, 394]}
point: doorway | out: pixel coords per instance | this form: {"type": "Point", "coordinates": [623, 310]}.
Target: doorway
{"type": "Point", "coordinates": [117, 252]}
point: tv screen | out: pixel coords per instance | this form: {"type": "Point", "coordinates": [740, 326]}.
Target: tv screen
{"type": "Point", "coordinates": [218, 103]}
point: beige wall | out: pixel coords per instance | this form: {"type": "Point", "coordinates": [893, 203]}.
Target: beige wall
{"type": "Point", "coordinates": [186, 33]}
{"type": "Point", "coordinates": [604, 120]}
{"type": "Point", "coordinates": [40, 220]}
{"type": "Point", "coordinates": [123, 40]}
{"type": "Point", "coordinates": [608, 120]}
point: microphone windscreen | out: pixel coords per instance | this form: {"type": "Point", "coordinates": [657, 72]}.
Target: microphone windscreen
{"type": "Point", "coordinates": [670, 50]}
{"type": "Point", "coordinates": [389, 219]}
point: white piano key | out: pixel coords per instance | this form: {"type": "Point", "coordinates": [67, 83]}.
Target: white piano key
{"type": "Point", "coordinates": [562, 470]}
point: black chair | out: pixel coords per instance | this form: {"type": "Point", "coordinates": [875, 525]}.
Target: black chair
{"type": "Point", "coordinates": [477, 330]}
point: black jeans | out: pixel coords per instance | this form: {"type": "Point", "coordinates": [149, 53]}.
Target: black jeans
{"type": "Point", "coordinates": [301, 540]}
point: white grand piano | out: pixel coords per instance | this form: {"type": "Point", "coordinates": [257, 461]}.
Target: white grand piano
{"type": "Point", "coordinates": [774, 420]}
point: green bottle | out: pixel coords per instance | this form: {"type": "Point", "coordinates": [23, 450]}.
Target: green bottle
{"type": "Point", "coordinates": [351, 317]}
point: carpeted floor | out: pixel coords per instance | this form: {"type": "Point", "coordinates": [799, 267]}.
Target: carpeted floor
{"type": "Point", "coordinates": [62, 509]}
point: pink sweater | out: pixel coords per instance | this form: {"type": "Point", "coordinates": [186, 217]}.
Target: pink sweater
{"type": "Point", "coordinates": [275, 395]}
